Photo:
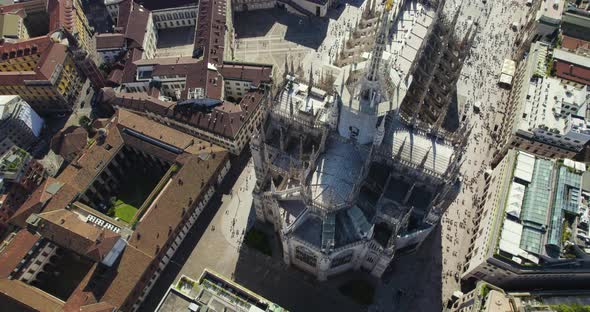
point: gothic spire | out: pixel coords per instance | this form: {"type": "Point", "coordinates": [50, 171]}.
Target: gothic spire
{"type": "Point", "coordinates": [286, 67]}
{"type": "Point", "coordinates": [310, 85]}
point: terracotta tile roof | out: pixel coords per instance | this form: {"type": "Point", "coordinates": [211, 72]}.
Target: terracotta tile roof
{"type": "Point", "coordinates": [51, 54]}
{"type": "Point", "coordinates": [125, 7]}
{"type": "Point", "coordinates": [119, 286]}
{"type": "Point", "coordinates": [16, 250]}
{"type": "Point", "coordinates": [28, 297]}
{"type": "Point", "coordinates": [92, 161]}
{"type": "Point", "coordinates": [255, 73]}
{"type": "Point", "coordinates": [69, 142]}
{"type": "Point", "coordinates": [66, 229]}
{"type": "Point", "coordinates": [170, 207]}
{"type": "Point", "coordinates": [83, 294]}
{"type": "Point", "coordinates": [110, 41]}
{"type": "Point", "coordinates": [98, 307]}
{"type": "Point", "coordinates": [136, 23]}
{"type": "Point", "coordinates": [131, 267]}
{"type": "Point", "coordinates": [130, 69]}
{"type": "Point", "coordinates": [572, 72]}
{"type": "Point", "coordinates": [159, 4]}
{"type": "Point", "coordinates": [15, 8]}
{"type": "Point", "coordinates": [188, 143]}
{"type": "Point", "coordinates": [61, 14]}
{"type": "Point", "coordinates": [225, 120]}
{"type": "Point", "coordinates": [116, 76]}
{"type": "Point", "coordinates": [572, 43]}
{"type": "Point", "coordinates": [34, 204]}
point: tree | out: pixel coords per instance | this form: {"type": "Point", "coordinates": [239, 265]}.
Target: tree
{"type": "Point", "coordinates": [84, 122]}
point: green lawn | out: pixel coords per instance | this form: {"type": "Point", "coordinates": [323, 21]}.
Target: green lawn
{"type": "Point", "coordinates": [124, 211]}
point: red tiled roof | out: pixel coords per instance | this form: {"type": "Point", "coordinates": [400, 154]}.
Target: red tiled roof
{"type": "Point", "coordinates": [28, 298]}
{"type": "Point", "coordinates": [137, 23]}
{"type": "Point", "coordinates": [61, 14]}
{"type": "Point", "coordinates": [110, 41]}
{"type": "Point", "coordinates": [159, 4]}
{"type": "Point", "coordinates": [66, 229]}
{"type": "Point", "coordinates": [119, 285]}
{"type": "Point", "coordinates": [16, 250]}
{"type": "Point", "coordinates": [69, 142]}
{"type": "Point", "coordinates": [225, 120]}
{"type": "Point", "coordinates": [572, 43]}
{"type": "Point", "coordinates": [572, 72]}
{"type": "Point", "coordinates": [15, 8]}
{"type": "Point", "coordinates": [254, 73]}
{"type": "Point", "coordinates": [34, 204]}
{"type": "Point", "coordinates": [124, 11]}
{"type": "Point", "coordinates": [51, 54]}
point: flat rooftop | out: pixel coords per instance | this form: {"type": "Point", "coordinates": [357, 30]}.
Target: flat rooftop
{"type": "Point", "coordinates": [545, 100]}
{"type": "Point", "coordinates": [213, 292]}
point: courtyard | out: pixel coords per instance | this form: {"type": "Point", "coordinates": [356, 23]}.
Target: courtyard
{"type": "Point", "coordinates": [63, 274]}
{"type": "Point", "coordinates": [175, 42]}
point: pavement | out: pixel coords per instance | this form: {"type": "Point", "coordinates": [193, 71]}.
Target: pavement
{"type": "Point", "coordinates": [271, 36]}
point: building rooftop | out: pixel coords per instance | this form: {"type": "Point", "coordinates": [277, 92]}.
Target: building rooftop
{"type": "Point", "coordinates": [547, 101]}
{"type": "Point", "coordinates": [551, 10]}
{"type": "Point", "coordinates": [14, 249]}
{"type": "Point", "coordinates": [572, 43]}
{"type": "Point", "coordinates": [66, 229]}
{"type": "Point", "coordinates": [572, 58]}
{"type": "Point", "coordinates": [21, 296]}
{"type": "Point", "coordinates": [69, 142]}
{"type": "Point", "coordinates": [9, 24]}
{"type": "Point", "coordinates": [540, 194]}
{"type": "Point", "coordinates": [110, 41]}
{"type": "Point", "coordinates": [51, 54]}
{"type": "Point", "coordinates": [197, 163]}
{"type": "Point", "coordinates": [417, 149]}
{"type": "Point", "coordinates": [336, 172]}
{"type": "Point", "coordinates": [213, 292]}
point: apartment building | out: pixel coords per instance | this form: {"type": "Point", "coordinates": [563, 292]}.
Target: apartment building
{"type": "Point", "coordinates": [545, 116]}
{"type": "Point", "coordinates": [18, 121]}
{"type": "Point", "coordinates": [42, 72]}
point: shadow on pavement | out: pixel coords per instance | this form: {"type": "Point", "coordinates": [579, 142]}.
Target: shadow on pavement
{"type": "Point", "coordinates": [290, 288]}
{"type": "Point", "coordinates": [413, 282]}
{"type": "Point", "coordinates": [306, 31]}
{"type": "Point", "coordinates": [194, 235]}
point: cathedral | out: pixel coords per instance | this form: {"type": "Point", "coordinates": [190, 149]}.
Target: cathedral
{"type": "Point", "coordinates": [355, 174]}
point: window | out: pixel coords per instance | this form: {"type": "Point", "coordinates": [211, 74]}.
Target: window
{"type": "Point", "coordinates": [342, 259]}
{"type": "Point", "coordinates": [305, 255]}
